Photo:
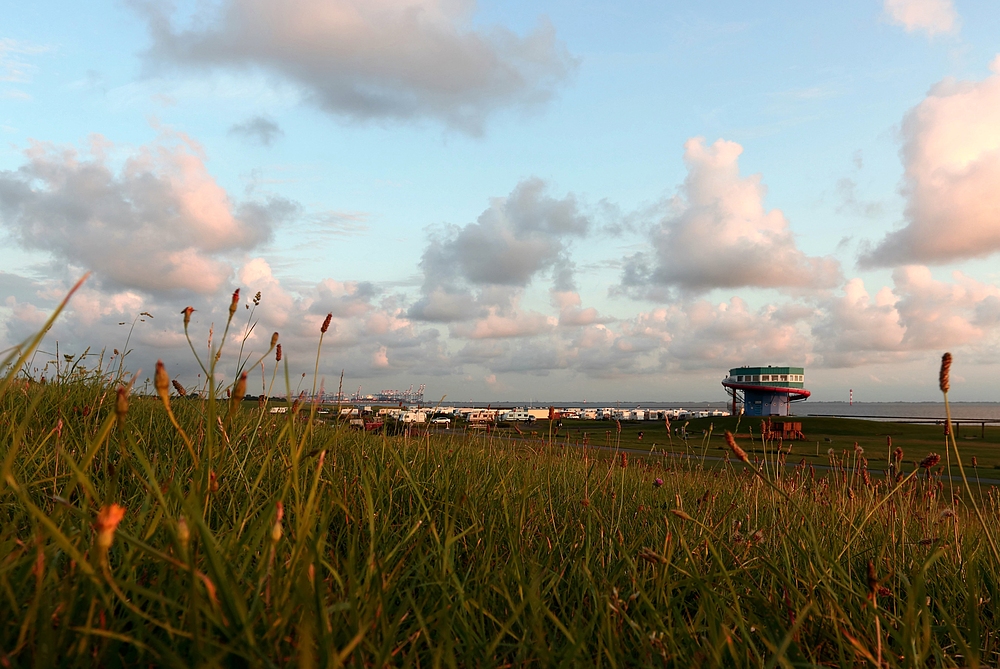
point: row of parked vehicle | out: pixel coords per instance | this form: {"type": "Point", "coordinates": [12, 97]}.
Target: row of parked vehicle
{"type": "Point", "coordinates": [446, 416]}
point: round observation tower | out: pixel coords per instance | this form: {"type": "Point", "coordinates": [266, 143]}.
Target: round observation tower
{"type": "Point", "coordinates": [765, 391]}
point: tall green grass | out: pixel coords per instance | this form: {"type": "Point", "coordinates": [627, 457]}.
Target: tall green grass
{"type": "Point", "coordinates": [273, 540]}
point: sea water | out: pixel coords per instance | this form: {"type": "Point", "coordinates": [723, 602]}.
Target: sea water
{"type": "Point", "coordinates": [970, 411]}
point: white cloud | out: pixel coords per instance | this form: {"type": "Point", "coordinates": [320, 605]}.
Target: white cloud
{"type": "Point", "coordinates": [373, 59]}
{"type": "Point", "coordinates": [371, 337]}
{"type": "Point", "coordinates": [951, 154]}
{"type": "Point", "coordinates": [701, 334]}
{"type": "Point", "coordinates": [159, 223]}
{"type": "Point", "coordinates": [718, 234]}
{"type": "Point", "coordinates": [931, 16]}
{"type": "Point", "coordinates": [517, 238]}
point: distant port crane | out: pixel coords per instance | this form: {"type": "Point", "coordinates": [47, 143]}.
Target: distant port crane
{"type": "Point", "coordinates": [407, 396]}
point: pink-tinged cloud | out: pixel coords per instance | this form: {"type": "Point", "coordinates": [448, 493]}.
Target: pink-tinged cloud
{"type": "Point", "coordinates": [856, 329]}
{"type": "Point", "coordinates": [700, 334]}
{"type": "Point", "coordinates": [572, 314]}
{"type": "Point", "coordinates": [498, 325]}
{"type": "Point", "coordinates": [372, 59]}
{"type": "Point", "coordinates": [918, 314]}
{"type": "Point", "coordinates": [930, 16]}
{"type": "Point", "coordinates": [939, 314]}
{"type": "Point", "coordinates": [951, 153]}
{"type": "Point", "coordinates": [159, 223]}
{"type": "Point", "coordinates": [719, 234]}
{"type": "Point", "coordinates": [380, 358]}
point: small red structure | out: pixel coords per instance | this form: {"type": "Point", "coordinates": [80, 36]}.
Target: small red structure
{"type": "Point", "coordinates": [784, 430]}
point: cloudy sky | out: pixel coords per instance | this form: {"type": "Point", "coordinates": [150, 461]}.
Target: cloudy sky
{"type": "Point", "coordinates": [514, 200]}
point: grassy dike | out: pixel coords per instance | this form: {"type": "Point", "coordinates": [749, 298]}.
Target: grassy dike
{"type": "Point", "coordinates": [464, 551]}
{"type": "Point", "coordinates": [222, 535]}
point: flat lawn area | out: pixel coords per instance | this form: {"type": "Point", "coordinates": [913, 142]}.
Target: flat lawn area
{"type": "Point", "coordinates": [821, 433]}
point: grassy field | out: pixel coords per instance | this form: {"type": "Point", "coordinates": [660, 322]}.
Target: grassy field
{"type": "Point", "coordinates": [822, 434]}
{"type": "Point", "coordinates": [217, 534]}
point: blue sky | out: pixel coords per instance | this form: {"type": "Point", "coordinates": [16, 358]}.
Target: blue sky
{"type": "Point", "coordinates": [514, 200]}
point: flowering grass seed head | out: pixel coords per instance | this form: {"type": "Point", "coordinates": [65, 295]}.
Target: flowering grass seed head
{"type": "Point", "coordinates": [326, 323]}
{"type": "Point", "coordinates": [930, 461]}
{"type": "Point", "coordinates": [121, 405]}
{"type": "Point", "coordinates": [162, 382]}
{"type": "Point", "coordinates": [181, 390]}
{"type": "Point", "coordinates": [234, 303]}
{"type": "Point", "coordinates": [183, 533]}
{"type": "Point", "coordinates": [274, 340]}
{"type": "Point", "coordinates": [735, 448]}
{"type": "Point", "coordinates": [187, 311]}
{"type": "Point", "coordinates": [106, 524]}
{"type": "Point", "coordinates": [944, 381]}
{"type": "Point", "coordinates": [872, 579]}
{"type": "Point", "coordinates": [276, 528]}
{"type": "Point", "coordinates": [277, 353]}
{"type": "Point", "coordinates": [240, 390]}
{"type": "Point", "coordinates": [652, 557]}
